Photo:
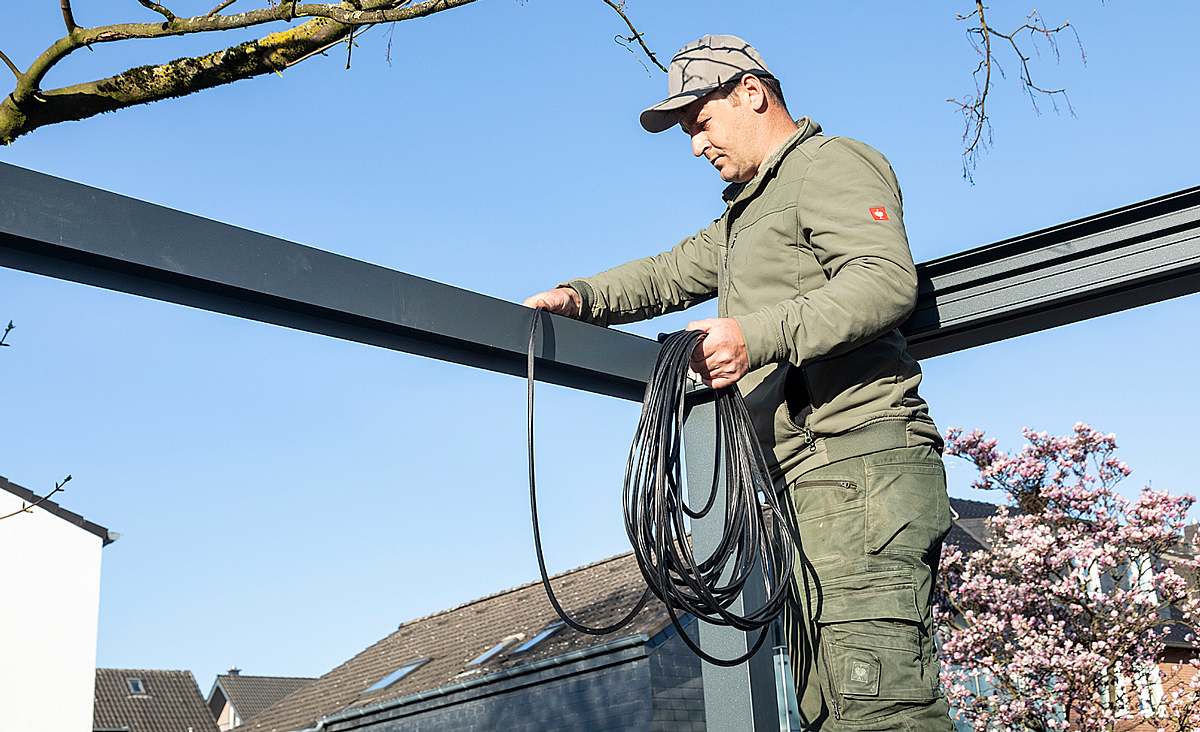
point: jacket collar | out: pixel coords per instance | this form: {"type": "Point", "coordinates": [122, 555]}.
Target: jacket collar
{"type": "Point", "coordinates": [735, 192]}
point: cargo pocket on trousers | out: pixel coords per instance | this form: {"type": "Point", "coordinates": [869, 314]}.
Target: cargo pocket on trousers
{"type": "Point", "coordinates": [829, 514]}
{"type": "Point", "coordinates": [907, 511]}
{"type": "Point", "coordinates": [875, 660]}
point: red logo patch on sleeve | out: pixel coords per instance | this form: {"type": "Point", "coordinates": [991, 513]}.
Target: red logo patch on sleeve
{"type": "Point", "coordinates": [878, 213]}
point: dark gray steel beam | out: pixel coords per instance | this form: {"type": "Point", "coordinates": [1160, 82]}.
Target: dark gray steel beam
{"type": "Point", "coordinates": [1131, 256]}
{"type": "Point", "coordinates": [75, 232]}
{"type": "Point", "coordinates": [1117, 260]}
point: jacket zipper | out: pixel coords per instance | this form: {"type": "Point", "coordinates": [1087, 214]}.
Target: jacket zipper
{"type": "Point", "coordinates": [810, 438]}
{"type": "Point", "coordinates": [729, 242]}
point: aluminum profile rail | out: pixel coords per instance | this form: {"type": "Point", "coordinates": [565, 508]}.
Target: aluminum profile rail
{"type": "Point", "coordinates": [1131, 256]}
{"type": "Point", "coordinates": [62, 229]}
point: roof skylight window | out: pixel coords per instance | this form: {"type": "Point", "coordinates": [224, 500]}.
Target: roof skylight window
{"type": "Point", "coordinates": [545, 633]}
{"type": "Point", "coordinates": [495, 650]}
{"type": "Point", "coordinates": [136, 686]}
{"type": "Point", "coordinates": [397, 675]}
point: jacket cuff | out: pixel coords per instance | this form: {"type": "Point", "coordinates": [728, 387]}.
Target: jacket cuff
{"type": "Point", "coordinates": [586, 298]}
{"type": "Point", "coordinates": [761, 333]}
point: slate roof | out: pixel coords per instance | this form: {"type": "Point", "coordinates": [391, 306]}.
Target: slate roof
{"type": "Point", "coordinates": [252, 695]}
{"type": "Point", "coordinates": [29, 496]}
{"type": "Point", "coordinates": [171, 702]}
{"type": "Point", "coordinates": [597, 593]}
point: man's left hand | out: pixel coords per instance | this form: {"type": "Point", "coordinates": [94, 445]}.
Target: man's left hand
{"type": "Point", "coordinates": [720, 359]}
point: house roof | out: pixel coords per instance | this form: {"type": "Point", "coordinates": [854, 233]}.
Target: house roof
{"type": "Point", "coordinates": [595, 594]}
{"type": "Point", "coordinates": [967, 525]}
{"type": "Point", "coordinates": [171, 702]}
{"type": "Point", "coordinates": [30, 497]}
{"type": "Point", "coordinates": [252, 695]}
{"type": "Point", "coordinates": [447, 641]}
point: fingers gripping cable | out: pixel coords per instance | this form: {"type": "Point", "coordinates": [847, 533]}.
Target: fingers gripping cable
{"type": "Point", "coordinates": [655, 510]}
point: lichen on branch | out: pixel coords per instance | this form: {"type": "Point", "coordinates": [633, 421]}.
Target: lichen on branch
{"type": "Point", "coordinates": [29, 106]}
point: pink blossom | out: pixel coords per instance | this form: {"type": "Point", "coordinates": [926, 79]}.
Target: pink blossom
{"type": "Point", "coordinates": [1035, 631]}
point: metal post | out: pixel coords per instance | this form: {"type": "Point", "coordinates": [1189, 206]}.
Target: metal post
{"type": "Point", "coordinates": [742, 698]}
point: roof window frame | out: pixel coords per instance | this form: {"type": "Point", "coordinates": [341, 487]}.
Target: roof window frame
{"type": "Point", "coordinates": [400, 673]}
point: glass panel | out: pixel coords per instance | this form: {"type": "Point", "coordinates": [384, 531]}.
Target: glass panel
{"type": "Point", "coordinates": [396, 675]}
{"type": "Point", "coordinates": [546, 632]}
{"type": "Point", "coordinates": [493, 651]}
{"type": "Point", "coordinates": [785, 692]}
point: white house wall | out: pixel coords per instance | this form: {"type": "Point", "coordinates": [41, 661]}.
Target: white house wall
{"type": "Point", "coordinates": [49, 608]}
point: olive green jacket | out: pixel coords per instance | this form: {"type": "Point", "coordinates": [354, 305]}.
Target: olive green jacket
{"type": "Point", "coordinates": [811, 259]}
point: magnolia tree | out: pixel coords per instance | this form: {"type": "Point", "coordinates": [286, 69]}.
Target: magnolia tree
{"type": "Point", "coordinates": [1061, 623]}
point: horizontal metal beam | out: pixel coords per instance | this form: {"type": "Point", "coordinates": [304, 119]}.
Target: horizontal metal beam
{"type": "Point", "coordinates": [1131, 256]}
{"type": "Point", "coordinates": [1120, 259]}
{"type": "Point", "coordinates": [75, 232]}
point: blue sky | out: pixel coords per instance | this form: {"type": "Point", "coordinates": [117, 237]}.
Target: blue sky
{"type": "Point", "coordinates": [286, 499]}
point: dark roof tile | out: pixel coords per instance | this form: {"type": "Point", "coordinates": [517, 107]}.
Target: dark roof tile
{"type": "Point", "coordinates": [595, 594]}
{"type": "Point", "coordinates": [171, 702]}
{"type": "Point", "coordinates": [252, 695]}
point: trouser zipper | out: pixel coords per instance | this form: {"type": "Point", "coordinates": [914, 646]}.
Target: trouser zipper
{"type": "Point", "coordinates": [842, 483]}
{"type": "Point", "coordinates": [834, 702]}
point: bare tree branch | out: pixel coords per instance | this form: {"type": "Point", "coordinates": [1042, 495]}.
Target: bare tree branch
{"type": "Point", "coordinates": [4, 335]}
{"type": "Point", "coordinates": [29, 106]}
{"type": "Point", "coordinates": [8, 62]}
{"type": "Point", "coordinates": [68, 16]}
{"type": "Point", "coordinates": [160, 9]}
{"type": "Point", "coordinates": [58, 488]}
{"type": "Point", "coordinates": [619, 8]}
{"type": "Point", "coordinates": [224, 4]}
{"type": "Point", "coordinates": [977, 128]}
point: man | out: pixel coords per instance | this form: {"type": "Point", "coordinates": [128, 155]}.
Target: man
{"type": "Point", "coordinates": [813, 275]}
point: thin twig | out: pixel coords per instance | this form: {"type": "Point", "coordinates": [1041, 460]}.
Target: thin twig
{"type": "Point", "coordinates": [8, 62]}
{"type": "Point", "coordinates": [4, 335]}
{"type": "Point", "coordinates": [224, 4]}
{"type": "Point", "coordinates": [977, 125]}
{"type": "Point", "coordinates": [619, 9]}
{"type": "Point", "coordinates": [161, 10]}
{"type": "Point", "coordinates": [58, 488]}
{"type": "Point", "coordinates": [68, 16]}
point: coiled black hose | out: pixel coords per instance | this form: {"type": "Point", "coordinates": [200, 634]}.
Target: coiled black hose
{"type": "Point", "coordinates": [655, 507]}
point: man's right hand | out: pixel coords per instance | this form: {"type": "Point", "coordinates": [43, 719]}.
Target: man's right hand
{"type": "Point", "coordinates": [560, 301]}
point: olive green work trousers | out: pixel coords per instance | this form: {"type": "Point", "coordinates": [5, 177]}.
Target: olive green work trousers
{"type": "Point", "coordinates": [862, 651]}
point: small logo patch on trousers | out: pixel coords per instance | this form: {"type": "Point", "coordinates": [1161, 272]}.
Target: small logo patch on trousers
{"type": "Point", "coordinates": [860, 673]}
{"type": "Point", "coordinates": [879, 213]}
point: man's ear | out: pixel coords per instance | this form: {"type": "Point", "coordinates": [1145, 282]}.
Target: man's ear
{"type": "Point", "coordinates": [755, 91]}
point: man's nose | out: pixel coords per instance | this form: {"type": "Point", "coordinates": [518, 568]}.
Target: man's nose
{"type": "Point", "coordinates": [699, 144]}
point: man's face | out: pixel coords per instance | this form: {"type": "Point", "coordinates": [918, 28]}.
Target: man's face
{"type": "Point", "coordinates": [725, 134]}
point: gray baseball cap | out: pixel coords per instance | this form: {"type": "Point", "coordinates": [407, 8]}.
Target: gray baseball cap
{"type": "Point", "coordinates": [697, 69]}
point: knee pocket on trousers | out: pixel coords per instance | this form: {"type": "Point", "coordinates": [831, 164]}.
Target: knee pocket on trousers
{"type": "Point", "coordinates": [878, 662]}
{"type": "Point", "coordinates": [877, 670]}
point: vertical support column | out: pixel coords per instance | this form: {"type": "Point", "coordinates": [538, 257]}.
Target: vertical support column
{"type": "Point", "coordinates": [742, 698]}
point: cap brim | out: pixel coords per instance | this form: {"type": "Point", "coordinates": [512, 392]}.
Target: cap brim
{"type": "Point", "coordinates": [665, 115]}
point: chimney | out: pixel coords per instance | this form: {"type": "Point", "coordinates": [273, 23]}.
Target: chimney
{"type": "Point", "coordinates": [234, 671]}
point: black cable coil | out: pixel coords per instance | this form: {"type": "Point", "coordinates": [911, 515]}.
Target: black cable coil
{"type": "Point", "coordinates": [655, 507]}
